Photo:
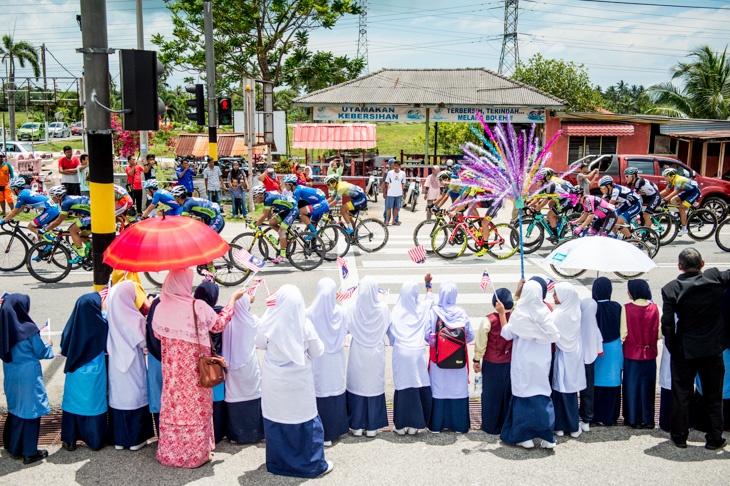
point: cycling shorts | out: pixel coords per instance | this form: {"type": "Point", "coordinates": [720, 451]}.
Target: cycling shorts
{"type": "Point", "coordinates": [317, 210]}
{"type": "Point", "coordinates": [217, 223]}
{"type": "Point", "coordinates": [493, 209]}
{"type": "Point", "coordinates": [690, 197]}
{"type": "Point", "coordinates": [46, 217]}
{"type": "Point", "coordinates": [287, 219]}
{"type": "Point", "coordinates": [453, 195]}
{"type": "Point", "coordinates": [357, 204]}
{"type": "Point", "coordinates": [84, 223]}
{"type": "Point", "coordinates": [652, 202]}
{"type": "Point", "coordinates": [604, 225]}
{"type": "Point", "coordinates": [629, 212]}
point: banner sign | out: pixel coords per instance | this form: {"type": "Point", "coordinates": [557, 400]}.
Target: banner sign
{"type": "Point", "coordinates": [404, 114]}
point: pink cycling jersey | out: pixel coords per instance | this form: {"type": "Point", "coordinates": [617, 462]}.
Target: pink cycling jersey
{"type": "Point", "coordinates": [597, 206]}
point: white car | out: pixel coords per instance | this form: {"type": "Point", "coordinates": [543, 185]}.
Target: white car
{"type": "Point", "coordinates": [59, 130]}
{"type": "Point", "coordinates": [13, 149]}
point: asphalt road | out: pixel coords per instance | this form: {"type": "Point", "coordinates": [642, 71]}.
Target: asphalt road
{"type": "Point", "coordinates": [611, 455]}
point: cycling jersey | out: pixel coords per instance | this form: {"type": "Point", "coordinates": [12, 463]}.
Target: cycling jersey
{"type": "Point", "coordinates": [350, 190]}
{"type": "Point", "coordinates": [76, 205]}
{"type": "Point", "coordinates": [283, 207]}
{"type": "Point", "coordinates": [122, 200]}
{"type": "Point", "coordinates": [644, 187]}
{"type": "Point", "coordinates": [307, 196]}
{"type": "Point", "coordinates": [567, 186]}
{"type": "Point", "coordinates": [683, 183]}
{"type": "Point", "coordinates": [206, 211]}
{"type": "Point", "coordinates": [49, 210]}
{"type": "Point", "coordinates": [623, 196]}
{"type": "Point", "coordinates": [164, 197]}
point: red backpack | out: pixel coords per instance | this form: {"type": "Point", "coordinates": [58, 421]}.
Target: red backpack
{"type": "Point", "coordinates": [450, 351]}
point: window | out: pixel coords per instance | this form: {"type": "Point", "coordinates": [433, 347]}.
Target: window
{"type": "Point", "coordinates": [645, 166]}
{"type": "Point", "coordinates": [681, 169]}
{"type": "Point", "coordinates": [579, 147]}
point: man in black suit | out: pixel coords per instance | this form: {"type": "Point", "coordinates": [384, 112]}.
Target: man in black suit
{"type": "Point", "coordinates": [693, 326]}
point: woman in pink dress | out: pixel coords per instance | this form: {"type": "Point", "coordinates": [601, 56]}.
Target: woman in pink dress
{"type": "Point", "coordinates": [186, 413]}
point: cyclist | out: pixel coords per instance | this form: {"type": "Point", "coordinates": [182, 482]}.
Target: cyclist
{"type": "Point", "coordinates": [196, 207]}
{"type": "Point", "coordinates": [444, 178]}
{"type": "Point", "coordinates": [682, 191]}
{"type": "Point", "coordinates": [158, 196]}
{"type": "Point", "coordinates": [453, 188]}
{"type": "Point", "coordinates": [557, 196]}
{"type": "Point", "coordinates": [79, 206]}
{"type": "Point", "coordinates": [122, 200]}
{"type": "Point", "coordinates": [358, 199]}
{"type": "Point", "coordinates": [646, 189]}
{"type": "Point", "coordinates": [312, 203]}
{"type": "Point", "coordinates": [466, 198]}
{"type": "Point", "coordinates": [598, 213]}
{"type": "Point", "coordinates": [626, 201]}
{"type": "Point", "coordinates": [280, 210]}
{"type": "Point", "coordinates": [24, 197]}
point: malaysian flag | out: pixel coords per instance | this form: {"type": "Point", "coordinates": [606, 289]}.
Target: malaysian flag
{"type": "Point", "coordinates": [254, 285]}
{"type": "Point", "coordinates": [417, 254]}
{"type": "Point", "coordinates": [271, 300]}
{"type": "Point", "coordinates": [485, 281]}
{"type": "Point", "coordinates": [207, 276]}
{"type": "Point", "coordinates": [105, 291]}
{"type": "Point", "coordinates": [248, 260]}
{"type": "Point", "coordinates": [343, 266]}
{"type": "Point", "coordinates": [343, 296]}
{"type": "Point", "coordinates": [550, 284]}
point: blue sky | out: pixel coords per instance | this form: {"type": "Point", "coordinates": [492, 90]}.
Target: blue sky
{"type": "Point", "coordinates": [637, 44]}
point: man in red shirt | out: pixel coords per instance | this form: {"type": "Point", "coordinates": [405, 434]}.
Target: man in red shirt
{"type": "Point", "coordinates": [69, 167]}
{"type": "Point", "coordinates": [271, 181]}
{"type": "Point", "coordinates": [134, 181]}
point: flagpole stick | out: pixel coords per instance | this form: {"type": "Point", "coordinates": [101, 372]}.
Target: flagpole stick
{"type": "Point", "coordinates": [520, 205]}
{"type": "Point", "coordinates": [49, 330]}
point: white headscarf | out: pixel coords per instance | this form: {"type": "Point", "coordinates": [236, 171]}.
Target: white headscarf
{"type": "Point", "coordinates": [368, 317]}
{"type": "Point", "coordinates": [239, 336]}
{"type": "Point", "coordinates": [566, 317]}
{"type": "Point", "coordinates": [283, 324]}
{"type": "Point", "coordinates": [530, 318]}
{"type": "Point", "coordinates": [126, 325]}
{"type": "Point", "coordinates": [327, 317]}
{"type": "Point", "coordinates": [452, 315]}
{"type": "Point", "coordinates": [408, 316]}
{"type": "Point", "coordinates": [590, 335]}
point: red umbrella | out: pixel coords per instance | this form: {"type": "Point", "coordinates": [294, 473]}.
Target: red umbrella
{"type": "Point", "coordinates": [158, 244]}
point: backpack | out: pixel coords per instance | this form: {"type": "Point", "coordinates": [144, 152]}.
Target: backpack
{"type": "Point", "coordinates": [450, 351]}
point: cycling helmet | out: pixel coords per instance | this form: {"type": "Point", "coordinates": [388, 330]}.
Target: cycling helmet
{"type": "Point", "coordinates": [669, 172]}
{"type": "Point", "coordinates": [259, 190]}
{"type": "Point", "coordinates": [577, 190]}
{"type": "Point", "coordinates": [444, 175]}
{"type": "Point", "coordinates": [631, 171]}
{"type": "Point", "coordinates": [150, 184]}
{"type": "Point", "coordinates": [179, 191]}
{"type": "Point", "coordinates": [17, 183]}
{"type": "Point", "coordinates": [456, 167]}
{"type": "Point", "coordinates": [605, 180]}
{"type": "Point", "coordinates": [57, 191]}
{"type": "Point", "coordinates": [545, 173]}
{"type": "Point", "coordinates": [468, 174]}
{"type": "Point", "coordinates": [290, 179]}
{"type": "Point", "coordinates": [331, 179]}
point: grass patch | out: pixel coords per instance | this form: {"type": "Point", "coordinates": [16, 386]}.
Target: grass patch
{"type": "Point", "coordinates": [53, 146]}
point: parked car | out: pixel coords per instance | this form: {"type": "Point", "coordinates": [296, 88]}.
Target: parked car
{"type": "Point", "coordinates": [59, 130]}
{"type": "Point", "coordinates": [31, 131]}
{"type": "Point", "coordinates": [715, 192]}
{"type": "Point", "coordinates": [77, 128]}
{"type": "Point", "coordinates": [13, 149]}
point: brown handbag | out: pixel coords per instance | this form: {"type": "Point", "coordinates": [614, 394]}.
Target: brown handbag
{"type": "Point", "coordinates": [212, 369]}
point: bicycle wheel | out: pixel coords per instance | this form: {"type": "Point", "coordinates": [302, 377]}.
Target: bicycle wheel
{"type": "Point", "coordinates": [500, 244]}
{"type": "Point", "coordinates": [449, 242]}
{"type": "Point", "coordinates": [48, 262]}
{"type": "Point", "coordinates": [305, 250]}
{"type": "Point", "coordinates": [722, 235]}
{"type": "Point", "coordinates": [641, 246]}
{"type": "Point", "coordinates": [256, 246]}
{"type": "Point", "coordinates": [665, 226]}
{"type": "Point", "coordinates": [335, 240]}
{"type": "Point", "coordinates": [414, 201]}
{"type": "Point", "coordinates": [717, 206]}
{"type": "Point", "coordinates": [649, 237]}
{"type": "Point", "coordinates": [701, 224]}
{"type": "Point", "coordinates": [533, 236]}
{"type": "Point", "coordinates": [566, 272]}
{"type": "Point", "coordinates": [371, 235]}
{"type": "Point", "coordinates": [227, 272]}
{"type": "Point", "coordinates": [156, 278]}
{"type": "Point", "coordinates": [13, 251]}
{"type": "Point", "coordinates": [423, 234]}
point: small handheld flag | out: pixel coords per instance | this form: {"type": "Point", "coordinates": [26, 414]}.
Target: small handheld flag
{"type": "Point", "coordinates": [207, 276]}
{"type": "Point", "coordinates": [485, 281]}
{"type": "Point", "coordinates": [417, 254]}
{"type": "Point", "coordinates": [248, 260]}
{"type": "Point", "coordinates": [343, 296]}
{"type": "Point", "coordinates": [343, 266]}
{"type": "Point", "coordinates": [255, 285]}
{"type": "Point", "coordinates": [550, 284]}
{"type": "Point", "coordinates": [271, 300]}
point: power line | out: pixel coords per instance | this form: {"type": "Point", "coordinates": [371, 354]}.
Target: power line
{"type": "Point", "coordinates": [642, 4]}
{"type": "Point", "coordinates": [57, 62]}
{"type": "Point", "coordinates": [510, 56]}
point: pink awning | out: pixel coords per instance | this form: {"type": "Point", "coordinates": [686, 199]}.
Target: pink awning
{"type": "Point", "coordinates": [334, 136]}
{"type": "Point", "coordinates": [598, 129]}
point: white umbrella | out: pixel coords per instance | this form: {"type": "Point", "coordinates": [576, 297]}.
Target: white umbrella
{"type": "Point", "coordinates": [602, 254]}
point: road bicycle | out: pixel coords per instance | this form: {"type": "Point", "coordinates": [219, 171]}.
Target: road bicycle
{"type": "Point", "coordinates": [14, 243]}
{"type": "Point", "coordinates": [450, 241]}
{"type": "Point", "coordinates": [370, 234]}
{"type": "Point", "coordinates": [575, 273]}
{"type": "Point", "coordinates": [304, 250]}
{"type": "Point", "coordinates": [722, 235]}
{"type": "Point", "coordinates": [701, 222]}
{"type": "Point", "coordinates": [423, 234]}
{"type": "Point", "coordinates": [51, 261]}
{"type": "Point", "coordinates": [534, 229]}
{"type": "Point", "coordinates": [225, 270]}
{"type": "Point", "coordinates": [663, 223]}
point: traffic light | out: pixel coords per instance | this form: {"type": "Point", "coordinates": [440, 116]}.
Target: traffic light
{"type": "Point", "coordinates": [198, 116]}
{"type": "Point", "coordinates": [225, 111]}
{"type": "Point", "coordinates": [140, 73]}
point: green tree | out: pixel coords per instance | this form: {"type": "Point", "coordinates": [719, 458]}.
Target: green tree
{"type": "Point", "coordinates": [625, 99]}
{"type": "Point", "coordinates": [23, 52]}
{"type": "Point", "coordinates": [565, 80]}
{"type": "Point", "coordinates": [252, 38]}
{"type": "Point", "coordinates": [705, 89]}
{"type": "Point", "coordinates": [451, 137]}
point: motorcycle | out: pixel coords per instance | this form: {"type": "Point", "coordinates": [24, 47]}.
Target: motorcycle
{"type": "Point", "coordinates": [371, 188]}
{"type": "Point", "coordinates": [414, 191]}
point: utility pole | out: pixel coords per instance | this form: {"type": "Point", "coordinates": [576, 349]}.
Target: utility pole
{"type": "Point", "coordinates": [249, 106]}
{"type": "Point", "coordinates": [143, 135]}
{"type": "Point", "coordinates": [45, 88]}
{"type": "Point", "coordinates": [210, 78]}
{"type": "Point", "coordinates": [510, 56]}
{"type": "Point", "coordinates": [362, 40]}
{"type": "Point", "coordinates": [96, 52]}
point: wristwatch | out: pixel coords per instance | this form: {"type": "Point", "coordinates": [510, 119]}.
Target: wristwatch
{"type": "Point", "coordinates": [476, 361]}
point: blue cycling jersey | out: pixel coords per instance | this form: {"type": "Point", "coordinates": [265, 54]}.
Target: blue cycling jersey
{"type": "Point", "coordinates": [200, 208]}
{"type": "Point", "coordinates": [34, 200]}
{"type": "Point", "coordinates": [77, 205]}
{"type": "Point", "coordinates": [278, 202]}
{"type": "Point", "coordinates": [309, 194]}
{"type": "Point", "coordinates": [164, 197]}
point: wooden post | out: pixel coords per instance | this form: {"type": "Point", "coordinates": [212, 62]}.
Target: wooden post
{"type": "Point", "coordinates": [690, 143]}
{"type": "Point", "coordinates": [703, 163]}
{"type": "Point", "coordinates": [721, 160]}
{"type": "Point", "coordinates": [425, 147]}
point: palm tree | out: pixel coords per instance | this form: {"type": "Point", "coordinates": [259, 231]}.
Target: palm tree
{"type": "Point", "coordinates": [706, 87]}
{"type": "Point", "coordinates": [22, 52]}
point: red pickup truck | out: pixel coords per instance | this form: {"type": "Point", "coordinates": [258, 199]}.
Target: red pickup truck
{"type": "Point", "coordinates": [715, 192]}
